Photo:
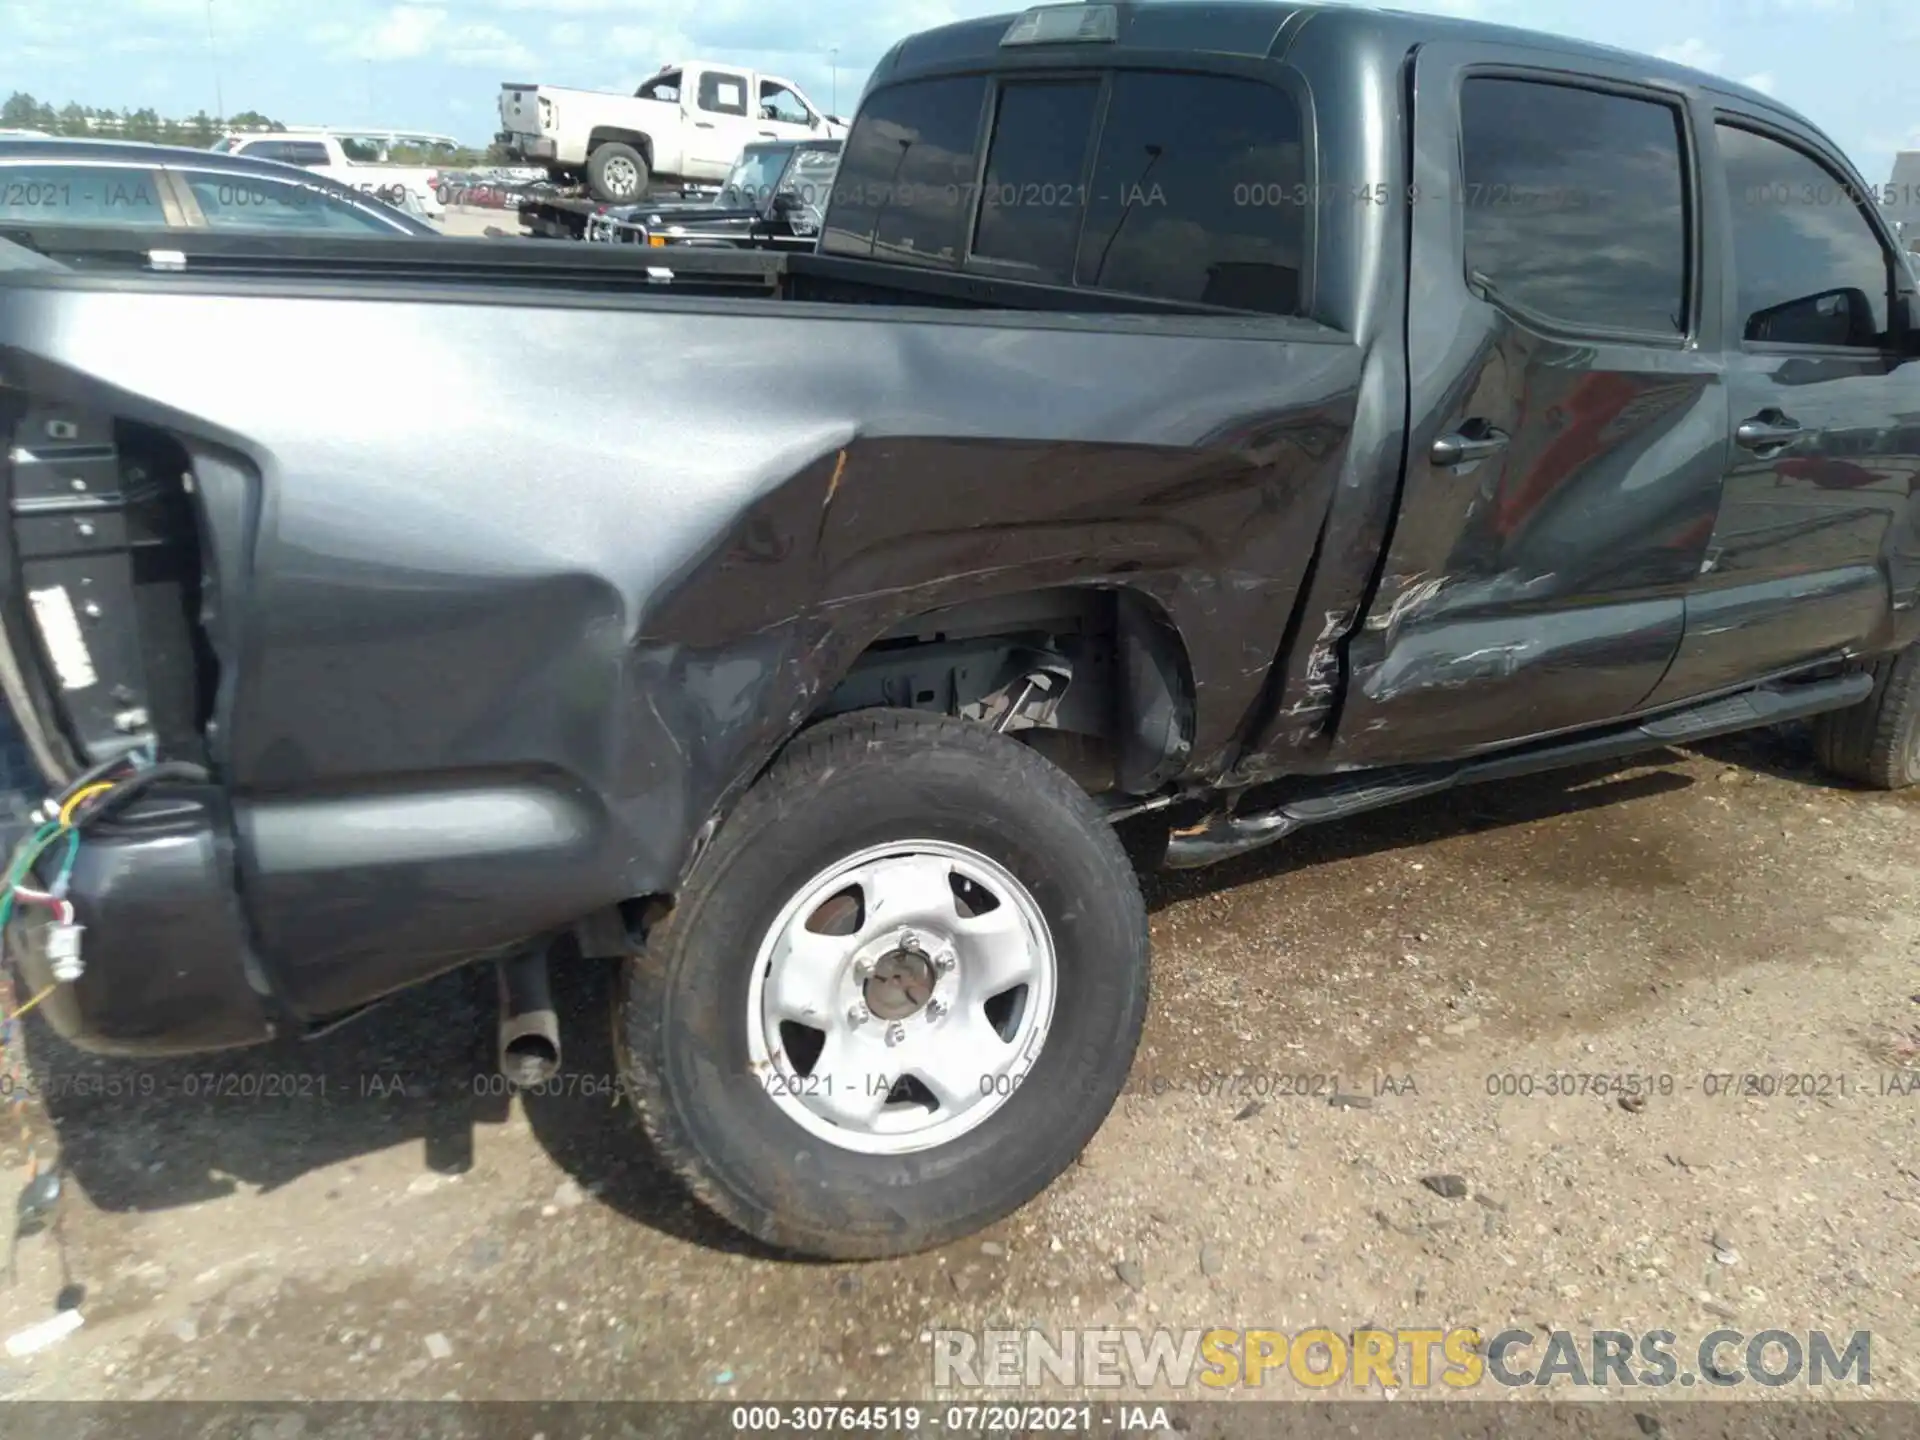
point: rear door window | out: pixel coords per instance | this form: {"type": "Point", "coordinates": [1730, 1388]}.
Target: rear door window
{"type": "Point", "coordinates": [906, 183]}
{"type": "Point", "coordinates": [1197, 193]}
{"type": "Point", "coordinates": [1575, 208]}
{"type": "Point", "coordinates": [1034, 192]}
{"type": "Point", "coordinates": [722, 93]}
{"type": "Point", "coordinates": [80, 195]}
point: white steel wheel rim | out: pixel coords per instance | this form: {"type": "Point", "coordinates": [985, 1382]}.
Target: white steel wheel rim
{"type": "Point", "coordinates": [620, 174]}
{"type": "Point", "coordinates": [920, 1016]}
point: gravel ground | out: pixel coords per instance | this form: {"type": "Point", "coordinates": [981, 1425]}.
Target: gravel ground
{"type": "Point", "coordinates": [409, 1234]}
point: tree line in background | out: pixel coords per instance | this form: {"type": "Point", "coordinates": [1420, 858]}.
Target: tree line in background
{"type": "Point", "coordinates": [22, 112]}
{"type": "Point", "coordinates": [198, 131]}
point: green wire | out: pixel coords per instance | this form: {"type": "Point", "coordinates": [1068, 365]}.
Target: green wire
{"type": "Point", "coordinates": [29, 852]}
{"type": "Point", "coordinates": [61, 880]}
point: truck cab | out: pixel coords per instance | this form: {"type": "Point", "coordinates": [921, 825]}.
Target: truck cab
{"type": "Point", "coordinates": [686, 123]}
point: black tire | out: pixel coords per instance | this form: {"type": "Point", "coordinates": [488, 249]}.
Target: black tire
{"type": "Point", "coordinates": [1877, 742]}
{"type": "Point", "coordinates": [848, 784]}
{"type": "Point", "coordinates": [617, 157]}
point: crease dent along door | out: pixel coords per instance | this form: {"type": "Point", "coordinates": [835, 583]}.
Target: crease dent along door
{"type": "Point", "coordinates": [1566, 430]}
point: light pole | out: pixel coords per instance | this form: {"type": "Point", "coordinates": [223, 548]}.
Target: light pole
{"type": "Point", "coordinates": [213, 55]}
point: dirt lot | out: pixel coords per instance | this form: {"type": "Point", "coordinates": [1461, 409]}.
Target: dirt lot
{"type": "Point", "coordinates": [407, 1234]}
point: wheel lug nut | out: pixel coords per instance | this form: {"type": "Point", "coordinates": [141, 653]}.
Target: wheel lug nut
{"type": "Point", "coordinates": [943, 962]}
{"type": "Point", "coordinates": [863, 970]}
{"type": "Point", "coordinates": [909, 940]}
{"type": "Point", "coordinates": [896, 1032]}
{"type": "Point", "coordinates": [858, 1015]}
{"type": "Point", "coordinates": [935, 1009]}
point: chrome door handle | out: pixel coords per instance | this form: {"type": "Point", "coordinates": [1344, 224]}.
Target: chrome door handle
{"type": "Point", "coordinates": [1476, 441]}
{"type": "Point", "coordinates": [1768, 430]}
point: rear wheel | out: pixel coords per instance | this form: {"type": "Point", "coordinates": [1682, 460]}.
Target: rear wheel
{"type": "Point", "coordinates": [617, 174]}
{"type": "Point", "coordinates": [1877, 742]}
{"type": "Point", "coordinates": [897, 997]}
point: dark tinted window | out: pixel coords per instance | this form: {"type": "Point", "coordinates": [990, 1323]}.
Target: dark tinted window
{"type": "Point", "coordinates": [1195, 193]}
{"type": "Point", "coordinates": [906, 181]}
{"type": "Point", "coordinates": [1035, 187]}
{"type": "Point", "coordinates": [723, 94]}
{"type": "Point", "coordinates": [1575, 204]}
{"type": "Point", "coordinates": [1798, 234]}
{"type": "Point", "coordinates": [252, 202]}
{"type": "Point", "coordinates": [80, 195]}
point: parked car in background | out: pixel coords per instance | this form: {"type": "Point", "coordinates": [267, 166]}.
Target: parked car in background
{"type": "Point", "coordinates": [123, 182]}
{"type": "Point", "coordinates": [457, 185]}
{"type": "Point", "coordinates": [356, 161]}
{"type": "Point", "coordinates": [773, 200]}
{"type": "Point", "coordinates": [687, 123]}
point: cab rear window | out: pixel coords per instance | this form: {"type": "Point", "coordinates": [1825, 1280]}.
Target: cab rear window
{"type": "Point", "coordinates": [905, 187]}
{"type": "Point", "coordinates": [1178, 187]}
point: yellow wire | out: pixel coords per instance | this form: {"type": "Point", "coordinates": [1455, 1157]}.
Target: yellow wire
{"type": "Point", "coordinates": [66, 811]}
{"type": "Point", "coordinates": [33, 1002]}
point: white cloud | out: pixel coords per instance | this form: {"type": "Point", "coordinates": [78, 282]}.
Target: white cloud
{"type": "Point", "coordinates": [1765, 82]}
{"type": "Point", "coordinates": [424, 32]}
{"type": "Point", "coordinates": [1693, 52]}
{"type": "Point", "coordinates": [407, 32]}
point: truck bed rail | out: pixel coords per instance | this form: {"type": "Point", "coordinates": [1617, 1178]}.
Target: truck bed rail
{"type": "Point", "coordinates": [505, 260]}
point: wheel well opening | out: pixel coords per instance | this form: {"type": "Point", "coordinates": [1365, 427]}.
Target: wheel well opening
{"type": "Point", "coordinates": [1113, 706]}
{"type": "Point", "coordinates": [638, 141]}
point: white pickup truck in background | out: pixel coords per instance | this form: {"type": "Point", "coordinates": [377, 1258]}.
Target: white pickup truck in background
{"type": "Point", "coordinates": [350, 159]}
{"type": "Point", "coordinates": [687, 124]}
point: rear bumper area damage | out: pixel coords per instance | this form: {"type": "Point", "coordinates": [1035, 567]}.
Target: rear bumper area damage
{"type": "Point", "coordinates": [166, 965]}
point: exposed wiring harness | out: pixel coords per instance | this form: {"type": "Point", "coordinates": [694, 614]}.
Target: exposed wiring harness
{"type": "Point", "coordinates": [101, 793]}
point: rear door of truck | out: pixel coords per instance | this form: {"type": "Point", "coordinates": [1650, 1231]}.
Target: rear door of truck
{"type": "Point", "coordinates": [1568, 406]}
{"type": "Point", "coordinates": [720, 120]}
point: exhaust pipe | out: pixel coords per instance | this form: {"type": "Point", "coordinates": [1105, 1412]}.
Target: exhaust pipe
{"type": "Point", "coordinates": [529, 1028]}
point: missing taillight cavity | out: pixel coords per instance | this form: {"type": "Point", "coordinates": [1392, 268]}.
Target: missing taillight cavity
{"type": "Point", "coordinates": [107, 579]}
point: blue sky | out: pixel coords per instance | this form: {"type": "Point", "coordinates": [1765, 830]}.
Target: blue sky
{"type": "Point", "coordinates": [1853, 66]}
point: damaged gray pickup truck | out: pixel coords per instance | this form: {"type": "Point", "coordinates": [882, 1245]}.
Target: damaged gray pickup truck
{"type": "Point", "coordinates": [1233, 416]}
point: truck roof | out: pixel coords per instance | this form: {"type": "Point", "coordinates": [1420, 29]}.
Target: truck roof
{"type": "Point", "coordinates": [1261, 28]}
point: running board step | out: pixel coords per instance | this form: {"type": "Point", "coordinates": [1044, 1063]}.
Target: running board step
{"type": "Point", "coordinates": [1223, 835]}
